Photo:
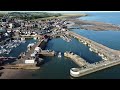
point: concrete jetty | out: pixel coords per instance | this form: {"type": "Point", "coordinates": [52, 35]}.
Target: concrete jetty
{"type": "Point", "coordinates": [47, 53]}
{"type": "Point", "coordinates": [20, 63]}
{"type": "Point", "coordinates": [77, 59]}
{"type": "Point", "coordinates": [94, 68]}
{"type": "Point", "coordinates": [27, 55]}
{"type": "Point", "coordinates": [109, 53]}
{"type": "Point", "coordinates": [110, 57]}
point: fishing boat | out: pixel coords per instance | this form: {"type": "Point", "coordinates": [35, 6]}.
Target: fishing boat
{"type": "Point", "coordinates": [23, 40]}
{"type": "Point", "coordinates": [99, 54]}
{"type": "Point", "coordinates": [59, 55]}
{"type": "Point", "coordinates": [0, 52]}
{"type": "Point", "coordinates": [104, 58]}
{"type": "Point", "coordinates": [68, 39]}
{"type": "Point", "coordinates": [90, 49]}
{"type": "Point", "coordinates": [84, 43]}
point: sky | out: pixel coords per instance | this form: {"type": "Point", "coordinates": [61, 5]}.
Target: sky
{"type": "Point", "coordinates": [45, 11]}
{"type": "Point", "coordinates": [58, 11]}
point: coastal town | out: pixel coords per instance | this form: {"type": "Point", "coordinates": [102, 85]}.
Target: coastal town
{"type": "Point", "coordinates": [16, 31]}
{"type": "Point", "coordinates": [13, 32]}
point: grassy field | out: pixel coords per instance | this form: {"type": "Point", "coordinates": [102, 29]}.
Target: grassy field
{"type": "Point", "coordinates": [63, 16]}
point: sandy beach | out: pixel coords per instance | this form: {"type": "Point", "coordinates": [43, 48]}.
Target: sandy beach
{"type": "Point", "coordinates": [15, 74]}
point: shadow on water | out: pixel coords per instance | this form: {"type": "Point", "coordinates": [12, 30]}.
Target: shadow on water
{"type": "Point", "coordinates": [50, 45]}
{"type": "Point", "coordinates": [45, 60]}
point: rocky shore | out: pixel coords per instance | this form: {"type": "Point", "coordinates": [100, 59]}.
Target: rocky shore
{"type": "Point", "coordinates": [93, 25]}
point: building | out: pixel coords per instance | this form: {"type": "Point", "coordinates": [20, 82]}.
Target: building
{"type": "Point", "coordinates": [10, 25]}
{"type": "Point", "coordinates": [2, 34]}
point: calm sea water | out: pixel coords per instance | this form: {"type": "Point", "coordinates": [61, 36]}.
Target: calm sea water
{"type": "Point", "coordinates": [108, 17]}
{"type": "Point", "coordinates": [108, 38]}
{"type": "Point", "coordinates": [58, 68]}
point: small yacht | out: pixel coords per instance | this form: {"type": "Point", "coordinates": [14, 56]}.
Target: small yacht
{"type": "Point", "coordinates": [8, 51]}
{"type": "Point", "coordinates": [1, 47]}
{"type": "Point", "coordinates": [90, 49]}
{"type": "Point", "coordinates": [84, 43]}
{"type": "Point", "coordinates": [22, 40]}
{"type": "Point", "coordinates": [0, 52]}
{"type": "Point", "coordinates": [68, 39]}
{"type": "Point", "coordinates": [59, 54]}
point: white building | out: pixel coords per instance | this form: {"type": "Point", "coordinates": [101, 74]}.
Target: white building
{"type": "Point", "coordinates": [10, 25]}
{"type": "Point", "coordinates": [37, 49]}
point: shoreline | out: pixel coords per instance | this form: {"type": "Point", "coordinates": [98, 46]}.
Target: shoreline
{"type": "Point", "coordinates": [15, 73]}
{"type": "Point", "coordinates": [92, 25]}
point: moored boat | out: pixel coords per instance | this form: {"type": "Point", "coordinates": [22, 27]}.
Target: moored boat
{"type": "Point", "coordinates": [59, 54]}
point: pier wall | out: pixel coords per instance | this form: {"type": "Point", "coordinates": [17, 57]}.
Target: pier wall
{"type": "Point", "coordinates": [47, 53]}
{"type": "Point", "coordinates": [77, 59]}
{"type": "Point", "coordinates": [95, 69]}
{"type": "Point", "coordinates": [42, 44]}
{"type": "Point", "coordinates": [113, 56]}
{"type": "Point", "coordinates": [98, 48]}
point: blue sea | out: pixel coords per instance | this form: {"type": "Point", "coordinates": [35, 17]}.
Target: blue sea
{"type": "Point", "coordinates": [108, 17]}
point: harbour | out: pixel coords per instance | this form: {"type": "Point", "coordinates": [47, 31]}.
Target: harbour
{"type": "Point", "coordinates": [69, 49]}
{"type": "Point", "coordinates": [74, 53]}
{"type": "Point", "coordinates": [93, 74]}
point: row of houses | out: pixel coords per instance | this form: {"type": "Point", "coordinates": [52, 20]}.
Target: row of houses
{"type": "Point", "coordinates": [25, 27]}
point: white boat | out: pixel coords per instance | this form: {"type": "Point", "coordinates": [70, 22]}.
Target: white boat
{"type": "Point", "coordinates": [2, 47]}
{"type": "Point", "coordinates": [84, 43]}
{"type": "Point", "coordinates": [22, 41]}
{"type": "Point", "coordinates": [99, 54]}
{"type": "Point", "coordinates": [0, 52]}
{"type": "Point", "coordinates": [104, 58]}
{"type": "Point", "coordinates": [35, 38]}
{"type": "Point", "coordinates": [90, 49]}
{"type": "Point", "coordinates": [89, 45]}
{"type": "Point", "coordinates": [81, 41]}
{"type": "Point", "coordinates": [68, 40]}
{"type": "Point", "coordinates": [59, 54]}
